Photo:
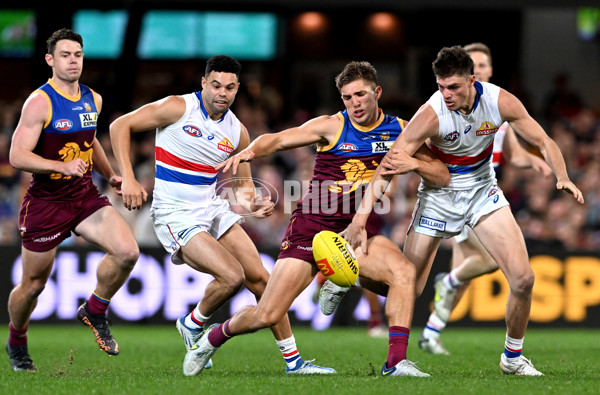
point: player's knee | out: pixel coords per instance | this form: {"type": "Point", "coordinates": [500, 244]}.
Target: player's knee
{"type": "Point", "coordinates": [268, 318]}
{"type": "Point", "coordinates": [233, 283]}
{"type": "Point", "coordinates": [127, 256]}
{"type": "Point", "coordinates": [523, 284]}
{"type": "Point", "coordinates": [35, 288]}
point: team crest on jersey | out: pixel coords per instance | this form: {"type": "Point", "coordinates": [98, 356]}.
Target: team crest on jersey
{"type": "Point", "coordinates": [63, 124]}
{"type": "Point", "coordinates": [381, 146]}
{"type": "Point", "coordinates": [347, 147]}
{"type": "Point", "coordinates": [225, 145]}
{"type": "Point", "coordinates": [87, 106]}
{"type": "Point", "coordinates": [192, 131]}
{"type": "Point", "coordinates": [88, 119]}
{"type": "Point", "coordinates": [452, 136]}
{"type": "Point", "coordinates": [385, 135]}
{"type": "Point", "coordinates": [486, 128]}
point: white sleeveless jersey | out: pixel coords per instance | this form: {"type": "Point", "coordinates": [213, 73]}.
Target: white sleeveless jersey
{"type": "Point", "coordinates": [465, 141]}
{"type": "Point", "coordinates": [187, 153]}
{"type": "Point", "coordinates": [498, 144]}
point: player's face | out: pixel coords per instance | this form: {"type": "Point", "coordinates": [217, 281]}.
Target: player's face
{"type": "Point", "coordinates": [458, 92]}
{"type": "Point", "coordinates": [218, 92]}
{"type": "Point", "coordinates": [483, 67]}
{"type": "Point", "coordinates": [66, 61]}
{"type": "Point", "coordinates": [361, 100]}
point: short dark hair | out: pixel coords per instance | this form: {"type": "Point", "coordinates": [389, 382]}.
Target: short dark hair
{"type": "Point", "coordinates": [62, 34]}
{"type": "Point", "coordinates": [223, 64]}
{"type": "Point", "coordinates": [479, 47]}
{"type": "Point", "coordinates": [356, 71]}
{"type": "Point", "coordinates": [452, 61]}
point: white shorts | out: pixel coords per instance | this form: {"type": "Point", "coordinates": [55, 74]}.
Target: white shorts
{"type": "Point", "coordinates": [444, 213]}
{"type": "Point", "coordinates": [175, 227]}
{"type": "Point", "coordinates": [463, 235]}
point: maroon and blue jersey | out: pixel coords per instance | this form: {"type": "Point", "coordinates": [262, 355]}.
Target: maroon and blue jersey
{"type": "Point", "coordinates": [346, 165]}
{"type": "Point", "coordinates": [67, 134]}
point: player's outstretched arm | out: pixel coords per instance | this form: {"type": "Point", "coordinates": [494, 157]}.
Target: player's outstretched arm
{"type": "Point", "coordinates": [150, 116]}
{"type": "Point", "coordinates": [519, 157]}
{"type": "Point", "coordinates": [513, 111]}
{"type": "Point", "coordinates": [319, 130]}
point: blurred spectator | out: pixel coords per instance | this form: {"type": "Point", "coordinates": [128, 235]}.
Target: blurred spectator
{"type": "Point", "coordinates": [562, 102]}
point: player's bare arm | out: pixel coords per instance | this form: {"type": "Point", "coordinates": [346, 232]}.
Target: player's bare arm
{"type": "Point", "coordinates": [519, 157]}
{"type": "Point", "coordinates": [150, 116]}
{"type": "Point", "coordinates": [424, 162]}
{"type": "Point", "coordinates": [33, 117]}
{"type": "Point", "coordinates": [244, 189]}
{"type": "Point", "coordinates": [513, 111]}
{"type": "Point", "coordinates": [320, 130]}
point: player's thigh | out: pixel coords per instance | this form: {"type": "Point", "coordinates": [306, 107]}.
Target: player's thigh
{"type": "Point", "coordinates": [384, 261]}
{"type": "Point", "coordinates": [37, 266]}
{"type": "Point", "coordinates": [205, 254]}
{"type": "Point", "coordinates": [502, 238]}
{"type": "Point", "coordinates": [290, 277]}
{"type": "Point", "coordinates": [239, 245]}
{"type": "Point", "coordinates": [420, 250]}
{"type": "Point", "coordinates": [107, 229]}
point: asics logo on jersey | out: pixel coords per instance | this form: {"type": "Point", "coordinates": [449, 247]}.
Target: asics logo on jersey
{"type": "Point", "coordinates": [192, 131]}
{"type": "Point", "coordinates": [467, 130]}
{"type": "Point", "coordinates": [63, 124]}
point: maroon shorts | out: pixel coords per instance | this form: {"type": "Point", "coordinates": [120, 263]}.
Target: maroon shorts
{"type": "Point", "coordinates": [44, 224]}
{"type": "Point", "coordinates": [297, 242]}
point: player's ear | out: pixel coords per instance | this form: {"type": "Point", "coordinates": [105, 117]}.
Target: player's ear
{"type": "Point", "coordinates": [49, 60]}
{"type": "Point", "coordinates": [378, 91]}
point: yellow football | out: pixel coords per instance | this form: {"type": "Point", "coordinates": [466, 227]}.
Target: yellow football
{"type": "Point", "coordinates": [335, 258]}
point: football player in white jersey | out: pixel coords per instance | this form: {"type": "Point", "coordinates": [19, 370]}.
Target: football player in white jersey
{"type": "Point", "coordinates": [194, 133]}
{"type": "Point", "coordinates": [469, 259]}
{"type": "Point", "coordinates": [460, 120]}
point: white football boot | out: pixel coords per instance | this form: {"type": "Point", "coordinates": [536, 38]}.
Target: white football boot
{"type": "Point", "coordinates": [403, 368]}
{"type": "Point", "coordinates": [307, 367]}
{"type": "Point", "coordinates": [330, 297]}
{"type": "Point", "coordinates": [521, 366]}
{"type": "Point", "coordinates": [199, 355]}
{"type": "Point", "coordinates": [433, 345]}
{"type": "Point", "coordinates": [190, 336]}
{"type": "Point", "coordinates": [444, 297]}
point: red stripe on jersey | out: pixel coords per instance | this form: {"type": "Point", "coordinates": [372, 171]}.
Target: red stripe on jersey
{"type": "Point", "coordinates": [462, 160]}
{"type": "Point", "coordinates": [176, 161]}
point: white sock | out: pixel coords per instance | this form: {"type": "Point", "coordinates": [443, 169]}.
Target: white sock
{"type": "Point", "coordinates": [434, 327]}
{"type": "Point", "coordinates": [289, 351]}
{"type": "Point", "coordinates": [451, 280]}
{"type": "Point", "coordinates": [195, 320]}
{"type": "Point", "coordinates": [513, 347]}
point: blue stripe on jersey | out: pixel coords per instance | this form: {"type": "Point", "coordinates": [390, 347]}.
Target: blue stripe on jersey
{"type": "Point", "coordinates": [182, 178]}
{"type": "Point", "coordinates": [468, 169]}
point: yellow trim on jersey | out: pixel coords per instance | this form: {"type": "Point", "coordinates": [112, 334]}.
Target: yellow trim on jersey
{"type": "Point", "coordinates": [47, 121]}
{"type": "Point", "coordinates": [96, 103]}
{"type": "Point", "coordinates": [63, 93]}
{"type": "Point", "coordinates": [333, 142]}
{"type": "Point", "coordinates": [370, 127]}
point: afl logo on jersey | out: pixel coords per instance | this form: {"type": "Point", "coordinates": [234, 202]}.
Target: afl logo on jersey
{"type": "Point", "coordinates": [192, 131]}
{"type": "Point", "coordinates": [451, 136]}
{"type": "Point", "coordinates": [63, 124]}
{"type": "Point", "coordinates": [347, 147]}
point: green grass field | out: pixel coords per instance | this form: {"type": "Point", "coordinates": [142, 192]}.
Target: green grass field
{"type": "Point", "coordinates": [69, 362]}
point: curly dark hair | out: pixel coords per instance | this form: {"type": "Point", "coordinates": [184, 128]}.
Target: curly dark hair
{"type": "Point", "coordinates": [62, 34]}
{"type": "Point", "coordinates": [223, 64]}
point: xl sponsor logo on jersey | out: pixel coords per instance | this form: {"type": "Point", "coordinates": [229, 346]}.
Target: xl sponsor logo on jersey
{"type": "Point", "coordinates": [225, 145]}
{"type": "Point", "coordinates": [192, 131]}
{"type": "Point", "coordinates": [63, 124]}
{"type": "Point", "coordinates": [381, 146]}
{"type": "Point", "coordinates": [486, 128]}
{"type": "Point", "coordinates": [88, 119]}
{"type": "Point", "coordinates": [431, 223]}
{"type": "Point", "coordinates": [347, 147]}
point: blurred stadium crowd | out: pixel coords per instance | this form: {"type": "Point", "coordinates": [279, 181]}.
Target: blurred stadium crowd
{"type": "Point", "coordinates": [549, 219]}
